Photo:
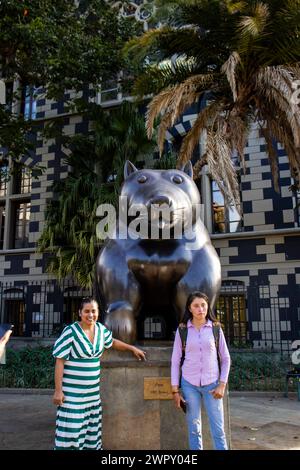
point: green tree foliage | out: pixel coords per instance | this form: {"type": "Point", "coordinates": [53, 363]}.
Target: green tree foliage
{"type": "Point", "coordinates": [243, 58]}
{"type": "Point", "coordinates": [63, 44]}
{"type": "Point", "coordinates": [60, 45]}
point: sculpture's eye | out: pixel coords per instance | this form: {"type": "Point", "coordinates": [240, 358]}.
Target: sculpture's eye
{"type": "Point", "coordinates": [177, 179]}
{"type": "Point", "coordinates": [142, 179]}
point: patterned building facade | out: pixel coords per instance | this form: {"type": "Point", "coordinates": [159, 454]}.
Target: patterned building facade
{"type": "Point", "coordinates": [259, 250]}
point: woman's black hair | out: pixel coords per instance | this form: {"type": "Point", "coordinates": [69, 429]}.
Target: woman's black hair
{"type": "Point", "coordinates": [87, 300]}
{"type": "Point", "coordinates": [188, 314]}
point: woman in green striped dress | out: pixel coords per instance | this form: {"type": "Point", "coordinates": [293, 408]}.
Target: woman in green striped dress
{"type": "Point", "coordinates": [77, 379]}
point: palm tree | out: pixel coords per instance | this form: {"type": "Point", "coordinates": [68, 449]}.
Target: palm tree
{"type": "Point", "coordinates": [69, 236]}
{"type": "Point", "coordinates": [243, 57]}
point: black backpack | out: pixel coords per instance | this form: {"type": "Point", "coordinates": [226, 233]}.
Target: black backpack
{"type": "Point", "coordinates": [183, 331]}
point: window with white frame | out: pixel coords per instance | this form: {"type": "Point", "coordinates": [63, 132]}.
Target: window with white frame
{"type": "Point", "coordinates": [110, 90]}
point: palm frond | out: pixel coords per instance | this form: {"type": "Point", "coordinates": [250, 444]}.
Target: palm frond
{"type": "Point", "coordinates": [235, 6]}
{"type": "Point", "coordinates": [159, 76]}
{"type": "Point", "coordinates": [139, 47]}
{"type": "Point", "coordinates": [205, 120]}
{"type": "Point", "coordinates": [237, 131]}
{"type": "Point", "coordinates": [175, 101]}
{"type": "Point", "coordinates": [229, 68]}
{"type": "Point", "coordinates": [220, 166]}
{"type": "Point", "coordinates": [157, 105]}
{"type": "Point", "coordinates": [279, 129]}
{"type": "Point", "coordinates": [277, 85]}
{"type": "Point", "coordinates": [254, 24]}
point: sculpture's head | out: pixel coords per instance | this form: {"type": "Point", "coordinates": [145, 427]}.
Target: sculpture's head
{"type": "Point", "coordinates": [166, 198]}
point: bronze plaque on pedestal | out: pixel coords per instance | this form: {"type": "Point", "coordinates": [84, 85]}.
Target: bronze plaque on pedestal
{"type": "Point", "coordinates": [157, 388]}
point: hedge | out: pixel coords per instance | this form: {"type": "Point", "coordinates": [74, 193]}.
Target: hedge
{"type": "Point", "coordinates": [34, 368]}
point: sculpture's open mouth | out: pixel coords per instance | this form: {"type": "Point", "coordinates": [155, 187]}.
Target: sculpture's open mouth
{"type": "Point", "coordinates": [161, 221]}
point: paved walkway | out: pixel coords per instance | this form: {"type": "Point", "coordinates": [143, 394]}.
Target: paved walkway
{"type": "Point", "coordinates": [266, 422]}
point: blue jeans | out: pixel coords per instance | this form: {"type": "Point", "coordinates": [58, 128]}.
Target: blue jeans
{"type": "Point", "coordinates": [215, 413]}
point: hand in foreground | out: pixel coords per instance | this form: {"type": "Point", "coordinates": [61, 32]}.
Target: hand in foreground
{"type": "Point", "coordinates": [218, 392]}
{"type": "Point", "coordinates": [5, 337]}
{"type": "Point", "coordinates": [139, 354]}
{"type": "Point", "coordinates": [58, 398]}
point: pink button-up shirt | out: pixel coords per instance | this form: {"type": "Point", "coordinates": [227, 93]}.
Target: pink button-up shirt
{"type": "Point", "coordinates": [200, 365]}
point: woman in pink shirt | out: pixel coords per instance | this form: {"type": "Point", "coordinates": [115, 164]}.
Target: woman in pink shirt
{"type": "Point", "coordinates": [200, 374]}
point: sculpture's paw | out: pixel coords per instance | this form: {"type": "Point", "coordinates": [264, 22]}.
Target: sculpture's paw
{"type": "Point", "coordinates": [122, 324]}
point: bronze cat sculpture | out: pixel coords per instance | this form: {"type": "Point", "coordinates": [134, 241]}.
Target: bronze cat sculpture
{"type": "Point", "coordinates": [162, 270]}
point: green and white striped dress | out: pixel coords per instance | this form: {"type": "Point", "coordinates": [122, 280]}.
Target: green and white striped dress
{"type": "Point", "coordinates": [79, 419]}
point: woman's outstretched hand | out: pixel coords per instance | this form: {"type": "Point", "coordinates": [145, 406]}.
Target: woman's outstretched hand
{"type": "Point", "coordinates": [139, 354]}
{"type": "Point", "coordinates": [121, 346]}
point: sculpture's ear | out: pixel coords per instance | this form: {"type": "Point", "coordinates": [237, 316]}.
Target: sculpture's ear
{"type": "Point", "coordinates": [188, 168]}
{"type": "Point", "coordinates": [128, 169]}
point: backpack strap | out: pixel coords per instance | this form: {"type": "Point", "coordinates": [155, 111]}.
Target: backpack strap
{"type": "Point", "coordinates": [183, 331]}
{"type": "Point", "coordinates": [216, 332]}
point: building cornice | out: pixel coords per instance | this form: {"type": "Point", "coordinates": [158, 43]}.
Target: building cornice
{"type": "Point", "coordinates": [256, 233]}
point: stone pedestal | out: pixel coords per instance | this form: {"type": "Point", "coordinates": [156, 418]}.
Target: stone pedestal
{"type": "Point", "coordinates": [131, 422]}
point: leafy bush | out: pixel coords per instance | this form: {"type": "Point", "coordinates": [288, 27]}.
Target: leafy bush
{"type": "Point", "coordinates": [34, 368]}
{"type": "Point", "coordinates": [257, 371]}
{"type": "Point", "coordinates": [28, 368]}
